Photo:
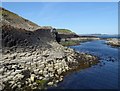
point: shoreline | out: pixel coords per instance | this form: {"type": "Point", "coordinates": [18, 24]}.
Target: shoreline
{"type": "Point", "coordinates": [69, 62]}
{"type": "Point", "coordinates": [113, 42]}
{"type": "Point", "coordinates": [77, 41]}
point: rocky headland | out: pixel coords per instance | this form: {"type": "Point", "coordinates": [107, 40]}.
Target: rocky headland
{"type": "Point", "coordinates": [69, 38]}
{"type": "Point", "coordinates": [32, 57]}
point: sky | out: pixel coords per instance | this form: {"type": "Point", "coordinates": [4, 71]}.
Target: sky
{"type": "Point", "coordinates": [80, 17]}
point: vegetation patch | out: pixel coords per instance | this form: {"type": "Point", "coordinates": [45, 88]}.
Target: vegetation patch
{"type": "Point", "coordinates": [70, 42]}
{"type": "Point", "coordinates": [65, 31]}
{"type": "Point", "coordinates": [42, 83]}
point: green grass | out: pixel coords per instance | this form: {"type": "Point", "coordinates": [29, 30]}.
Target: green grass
{"type": "Point", "coordinates": [65, 31]}
{"type": "Point", "coordinates": [42, 83]}
{"type": "Point", "coordinates": [6, 12]}
{"type": "Point", "coordinates": [70, 43]}
{"type": "Point", "coordinates": [14, 17]}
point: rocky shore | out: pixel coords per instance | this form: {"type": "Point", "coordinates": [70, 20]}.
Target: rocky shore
{"type": "Point", "coordinates": [32, 57]}
{"type": "Point", "coordinates": [113, 42]}
{"type": "Point", "coordinates": [39, 68]}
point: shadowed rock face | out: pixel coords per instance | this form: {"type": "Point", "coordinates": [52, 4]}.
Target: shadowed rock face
{"type": "Point", "coordinates": [12, 36]}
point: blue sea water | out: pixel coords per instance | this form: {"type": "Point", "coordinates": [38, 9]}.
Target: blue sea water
{"type": "Point", "coordinates": [108, 36]}
{"type": "Point", "coordinates": [104, 75]}
{"type": "Point", "coordinates": [104, 35]}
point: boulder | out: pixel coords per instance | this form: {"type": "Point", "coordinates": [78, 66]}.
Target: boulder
{"type": "Point", "coordinates": [19, 76]}
{"type": "Point", "coordinates": [1, 70]}
{"type": "Point", "coordinates": [41, 72]}
{"type": "Point", "coordinates": [50, 83]}
{"type": "Point", "coordinates": [36, 71]}
{"type": "Point", "coordinates": [40, 77]}
{"type": "Point", "coordinates": [14, 73]}
{"type": "Point", "coordinates": [32, 78]}
{"type": "Point", "coordinates": [45, 72]}
{"type": "Point", "coordinates": [59, 71]}
{"type": "Point", "coordinates": [42, 66]}
{"type": "Point", "coordinates": [10, 77]}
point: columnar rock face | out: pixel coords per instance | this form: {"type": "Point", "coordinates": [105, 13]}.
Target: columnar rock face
{"type": "Point", "coordinates": [20, 70]}
{"type": "Point", "coordinates": [12, 37]}
{"type": "Point", "coordinates": [33, 59]}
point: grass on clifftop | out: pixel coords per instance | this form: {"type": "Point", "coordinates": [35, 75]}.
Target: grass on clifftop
{"type": "Point", "coordinates": [70, 43]}
{"type": "Point", "coordinates": [14, 18]}
{"type": "Point", "coordinates": [65, 31]}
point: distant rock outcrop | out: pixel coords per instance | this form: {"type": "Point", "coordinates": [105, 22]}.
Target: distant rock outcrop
{"type": "Point", "coordinates": [65, 33]}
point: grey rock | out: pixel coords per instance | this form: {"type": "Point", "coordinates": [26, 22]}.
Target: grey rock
{"type": "Point", "coordinates": [28, 54]}
{"type": "Point", "coordinates": [15, 85]}
{"type": "Point", "coordinates": [14, 66]}
{"type": "Point", "coordinates": [50, 83]}
{"type": "Point", "coordinates": [12, 82]}
{"type": "Point", "coordinates": [10, 77]}
{"type": "Point", "coordinates": [42, 66]}
{"type": "Point", "coordinates": [1, 70]}
{"type": "Point", "coordinates": [36, 71]}
{"type": "Point", "coordinates": [59, 71]}
{"type": "Point", "coordinates": [40, 77]}
{"type": "Point", "coordinates": [13, 56]}
{"type": "Point", "coordinates": [19, 76]}
{"type": "Point", "coordinates": [41, 72]}
{"type": "Point", "coordinates": [22, 54]}
{"type": "Point", "coordinates": [5, 79]}
{"type": "Point", "coordinates": [14, 73]}
{"type": "Point", "coordinates": [57, 81]}
{"type": "Point", "coordinates": [45, 73]}
{"type": "Point", "coordinates": [18, 71]}
{"type": "Point", "coordinates": [1, 86]}
{"type": "Point", "coordinates": [46, 76]}
{"type": "Point", "coordinates": [32, 78]}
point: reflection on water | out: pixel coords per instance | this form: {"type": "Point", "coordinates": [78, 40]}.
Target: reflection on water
{"type": "Point", "coordinates": [104, 75]}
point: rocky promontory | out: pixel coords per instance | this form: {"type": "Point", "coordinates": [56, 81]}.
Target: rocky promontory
{"type": "Point", "coordinates": [68, 38]}
{"type": "Point", "coordinates": [32, 57]}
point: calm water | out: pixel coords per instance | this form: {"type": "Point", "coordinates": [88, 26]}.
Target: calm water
{"type": "Point", "coordinates": [104, 75]}
{"type": "Point", "coordinates": [109, 36]}
{"type": "Point", "coordinates": [104, 36]}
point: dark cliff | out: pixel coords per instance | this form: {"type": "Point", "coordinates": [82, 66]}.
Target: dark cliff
{"type": "Point", "coordinates": [19, 32]}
